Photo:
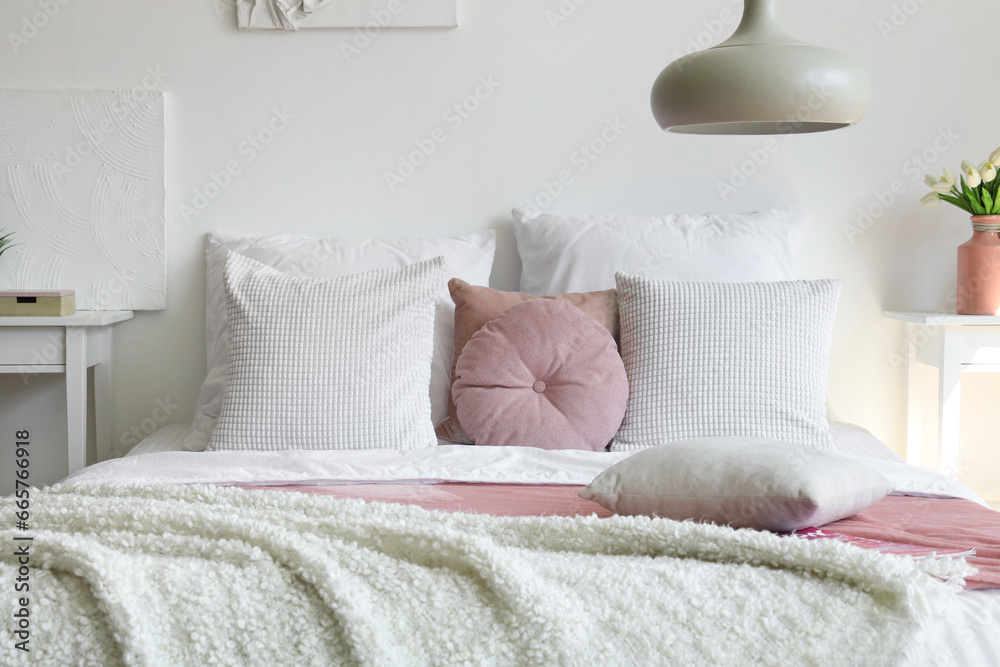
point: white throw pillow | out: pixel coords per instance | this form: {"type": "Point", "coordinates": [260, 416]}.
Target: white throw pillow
{"type": "Point", "coordinates": [469, 257]}
{"type": "Point", "coordinates": [582, 253]}
{"type": "Point", "coordinates": [335, 363]}
{"type": "Point", "coordinates": [741, 482]}
{"type": "Point", "coordinates": [715, 359]}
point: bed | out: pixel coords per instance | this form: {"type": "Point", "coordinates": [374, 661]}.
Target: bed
{"type": "Point", "coordinates": [263, 534]}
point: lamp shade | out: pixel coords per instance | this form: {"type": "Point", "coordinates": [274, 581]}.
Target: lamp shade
{"type": "Point", "coordinates": [760, 81]}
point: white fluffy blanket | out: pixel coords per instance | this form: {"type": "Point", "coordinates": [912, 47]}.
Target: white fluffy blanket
{"type": "Point", "coordinates": [202, 575]}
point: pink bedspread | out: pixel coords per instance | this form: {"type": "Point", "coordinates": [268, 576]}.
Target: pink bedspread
{"type": "Point", "coordinates": [495, 499]}
{"type": "Point", "coordinates": [930, 522]}
{"type": "Point", "coordinates": [937, 523]}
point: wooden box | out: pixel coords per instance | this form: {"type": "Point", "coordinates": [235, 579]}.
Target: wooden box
{"type": "Point", "coordinates": [37, 304]}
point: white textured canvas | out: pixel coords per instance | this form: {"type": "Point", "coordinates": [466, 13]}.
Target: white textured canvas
{"type": "Point", "coordinates": [721, 359]}
{"type": "Point", "coordinates": [341, 363]}
{"type": "Point", "coordinates": [82, 189]}
{"type": "Point", "coordinates": [374, 15]}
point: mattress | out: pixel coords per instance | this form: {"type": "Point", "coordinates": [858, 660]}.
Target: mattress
{"type": "Point", "coordinates": [965, 633]}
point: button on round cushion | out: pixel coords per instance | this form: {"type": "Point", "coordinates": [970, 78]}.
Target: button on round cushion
{"type": "Point", "coordinates": [542, 374]}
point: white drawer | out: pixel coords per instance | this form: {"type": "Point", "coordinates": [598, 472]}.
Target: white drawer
{"type": "Point", "coordinates": [34, 346]}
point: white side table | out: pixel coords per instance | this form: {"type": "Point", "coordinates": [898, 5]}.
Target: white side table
{"type": "Point", "coordinates": [68, 345]}
{"type": "Point", "coordinates": [954, 344]}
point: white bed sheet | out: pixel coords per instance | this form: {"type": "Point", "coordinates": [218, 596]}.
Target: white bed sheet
{"type": "Point", "coordinates": [966, 633]}
{"type": "Point", "coordinates": [169, 438]}
{"type": "Point", "coordinates": [444, 463]}
{"type": "Point", "coordinates": [161, 458]}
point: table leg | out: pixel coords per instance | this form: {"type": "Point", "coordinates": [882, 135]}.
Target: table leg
{"type": "Point", "coordinates": [102, 394]}
{"type": "Point", "coordinates": [950, 401]}
{"type": "Point", "coordinates": [914, 418]}
{"type": "Point", "coordinates": [76, 397]}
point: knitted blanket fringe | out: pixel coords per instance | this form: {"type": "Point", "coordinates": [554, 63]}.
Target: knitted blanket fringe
{"type": "Point", "coordinates": [194, 575]}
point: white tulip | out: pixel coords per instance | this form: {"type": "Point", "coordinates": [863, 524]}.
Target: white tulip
{"type": "Point", "coordinates": [995, 158]}
{"type": "Point", "coordinates": [930, 200]}
{"type": "Point", "coordinates": [942, 184]}
{"type": "Point", "coordinates": [988, 172]}
{"type": "Point", "coordinates": [972, 177]}
{"type": "Point", "coordinates": [966, 165]}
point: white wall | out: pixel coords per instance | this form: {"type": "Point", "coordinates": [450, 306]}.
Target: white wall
{"type": "Point", "coordinates": [324, 174]}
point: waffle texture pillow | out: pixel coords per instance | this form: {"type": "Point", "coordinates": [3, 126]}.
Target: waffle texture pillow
{"type": "Point", "coordinates": [339, 363]}
{"type": "Point", "coordinates": [542, 374]}
{"type": "Point", "coordinates": [717, 359]}
{"type": "Point", "coordinates": [475, 306]}
{"type": "Point", "coordinates": [469, 257]}
{"type": "Point", "coordinates": [740, 482]}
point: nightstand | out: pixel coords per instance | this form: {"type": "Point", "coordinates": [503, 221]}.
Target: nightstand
{"type": "Point", "coordinates": [954, 344]}
{"type": "Point", "coordinates": [68, 345]}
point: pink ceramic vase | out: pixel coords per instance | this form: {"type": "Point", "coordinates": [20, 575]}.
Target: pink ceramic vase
{"type": "Point", "coordinates": [979, 269]}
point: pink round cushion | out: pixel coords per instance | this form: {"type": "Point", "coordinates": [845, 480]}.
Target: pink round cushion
{"type": "Point", "coordinates": [542, 374]}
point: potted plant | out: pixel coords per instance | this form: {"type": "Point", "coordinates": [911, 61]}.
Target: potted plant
{"type": "Point", "coordinates": [977, 193]}
{"type": "Point", "coordinates": [5, 244]}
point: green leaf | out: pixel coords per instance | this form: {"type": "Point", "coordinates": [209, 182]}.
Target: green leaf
{"type": "Point", "coordinates": [972, 197]}
{"type": "Point", "coordinates": [987, 201]}
{"type": "Point", "coordinates": [5, 243]}
{"type": "Point", "coordinates": [959, 202]}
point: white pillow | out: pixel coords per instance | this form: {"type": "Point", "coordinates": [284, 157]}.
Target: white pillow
{"type": "Point", "coordinates": [334, 363]}
{"type": "Point", "coordinates": [741, 482]}
{"type": "Point", "coordinates": [582, 253]}
{"type": "Point", "coordinates": [715, 359]}
{"type": "Point", "coordinates": [469, 257]}
{"type": "Point", "coordinates": [853, 440]}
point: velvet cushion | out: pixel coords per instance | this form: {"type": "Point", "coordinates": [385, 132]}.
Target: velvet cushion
{"type": "Point", "coordinates": [739, 481]}
{"type": "Point", "coordinates": [475, 306]}
{"type": "Point", "coordinates": [542, 374]}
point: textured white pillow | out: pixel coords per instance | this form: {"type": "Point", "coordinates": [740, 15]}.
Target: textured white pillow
{"type": "Point", "coordinates": [335, 363]}
{"type": "Point", "coordinates": [469, 257]}
{"type": "Point", "coordinates": [713, 359]}
{"type": "Point", "coordinates": [582, 253]}
{"type": "Point", "coordinates": [741, 482]}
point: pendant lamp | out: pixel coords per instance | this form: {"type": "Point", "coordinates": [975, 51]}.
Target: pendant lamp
{"type": "Point", "coordinates": [761, 81]}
